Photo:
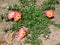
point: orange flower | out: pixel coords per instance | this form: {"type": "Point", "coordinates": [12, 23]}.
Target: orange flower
{"type": "Point", "coordinates": [49, 13]}
{"type": "Point", "coordinates": [22, 33]}
{"type": "Point", "coordinates": [17, 16]}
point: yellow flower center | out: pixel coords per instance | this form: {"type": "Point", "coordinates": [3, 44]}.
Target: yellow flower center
{"type": "Point", "coordinates": [24, 33]}
{"type": "Point", "coordinates": [18, 16]}
{"type": "Point", "coordinates": [50, 14]}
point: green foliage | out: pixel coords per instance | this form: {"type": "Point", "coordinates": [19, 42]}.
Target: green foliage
{"type": "Point", "coordinates": [49, 4]}
{"type": "Point", "coordinates": [34, 19]}
{"type": "Point", "coordinates": [27, 2]}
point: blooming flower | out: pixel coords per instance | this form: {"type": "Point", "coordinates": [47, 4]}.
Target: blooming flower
{"type": "Point", "coordinates": [21, 33]}
{"type": "Point", "coordinates": [49, 13]}
{"type": "Point", "coordinates": [17, 16]}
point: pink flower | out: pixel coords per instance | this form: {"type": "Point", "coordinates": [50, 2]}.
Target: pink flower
{"type": "Point", "coordinates": [49, 13]}
{"type": "Point", "coordinates": [22, 33]}
{"type": "Point", "coordinates": [11, 14]}
{"type": "Point", "coordinates": [17, 16]}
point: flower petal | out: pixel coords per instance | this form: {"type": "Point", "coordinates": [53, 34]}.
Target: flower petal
{"type": "Point", "coordinates": [11, 14]}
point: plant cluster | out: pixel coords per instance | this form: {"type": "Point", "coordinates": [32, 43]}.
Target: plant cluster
{"type": "Point", "coordinates": [34, 19]}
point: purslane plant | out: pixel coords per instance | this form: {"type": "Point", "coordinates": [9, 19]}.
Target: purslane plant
{"type": "Point", "coordinates": [34, 19]}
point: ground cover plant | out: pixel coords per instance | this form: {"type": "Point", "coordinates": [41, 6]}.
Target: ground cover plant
{"type": "Point", "coordinates": [34, 19]}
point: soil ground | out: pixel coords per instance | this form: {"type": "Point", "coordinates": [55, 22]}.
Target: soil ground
{"type": "Point", "coordinates": [55, 32]}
